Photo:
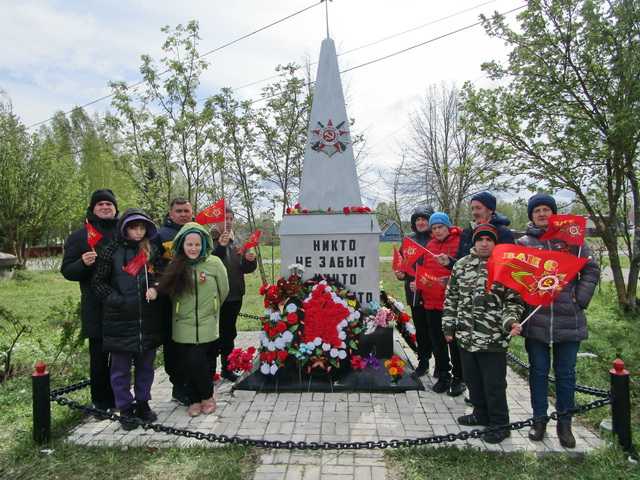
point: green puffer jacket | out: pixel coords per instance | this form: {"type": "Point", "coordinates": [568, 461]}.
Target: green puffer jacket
{"type": "Point", "coordinates": [479, 320]}
{"type": "Point", "coordinates": [196, 313]}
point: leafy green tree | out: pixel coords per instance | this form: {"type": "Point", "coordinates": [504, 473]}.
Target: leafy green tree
{"type": "Point", "coordinates": [567, 113]}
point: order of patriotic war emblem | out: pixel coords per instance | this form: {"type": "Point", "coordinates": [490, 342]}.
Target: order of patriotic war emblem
{"type": "Point", "coordinates": [330, 139]}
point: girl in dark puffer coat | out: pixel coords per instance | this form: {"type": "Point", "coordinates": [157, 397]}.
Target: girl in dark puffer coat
{"type": "Point", "coordinates": [558, 328]}
{"type": "Point", "coordinates": [131, 328]}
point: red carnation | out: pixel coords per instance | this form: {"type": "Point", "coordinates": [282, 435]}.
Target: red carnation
{"type": "Point", "coordinates": [281, 327]}
{"type": "Point", "coordinates": [288, 210]}
{"type": "Point", "coordinates": [282, 355]}
{"type": "Point", "coordinates": [354, 209]}
{"type": "Point", "coordinates": [346, 210]}
{"type": "Point", "coordinates": [292, 318]}
{"type": "Point", "coordinates": [305, 211]}
{"type": "Point", "coordinates": [265, 327]}
{"type": "Point", "coordinates": [297, 206]}
{"type": "Point", "coordinates": [404, 317]}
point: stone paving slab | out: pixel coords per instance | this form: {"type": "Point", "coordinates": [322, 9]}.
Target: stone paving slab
{"type": "Point", "coordinates": [333, 417]}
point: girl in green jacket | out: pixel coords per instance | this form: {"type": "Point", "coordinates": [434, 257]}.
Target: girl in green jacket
{"type": "Point", "coordinates": [197, 284]}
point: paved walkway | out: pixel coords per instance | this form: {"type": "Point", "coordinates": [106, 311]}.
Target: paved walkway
{"type": "Point", "coordinates": [334, 417]}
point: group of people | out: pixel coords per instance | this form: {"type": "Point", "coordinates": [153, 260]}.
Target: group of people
{"type": "Point", "coordinates": [179, 286]}
{"type": "Point", "coordinates": [468, 329]}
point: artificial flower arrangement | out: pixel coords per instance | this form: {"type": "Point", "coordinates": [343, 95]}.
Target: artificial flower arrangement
{"type": "Point", "coordinates": [240, 361]}
{"type": "Point", "coordinates": [316, 323]}
{"type": "Point", "coordinates": [395, 367]}
{"type": "Point", "coordinates": [378, 316]}
{"type": "Point", "coordinates": [347, 210]}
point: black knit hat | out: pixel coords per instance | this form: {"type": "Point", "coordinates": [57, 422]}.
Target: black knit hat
{"type": "Point", "coordinates": [485, 230]}
{"type": "Point", "coordinates": [486, 199]}
{"type": "Point", "coordinates": [424, 212]}
{"type": "Point", "coordinates": [541, 199]}
{"type": "Point", "coordinates": [104, 195]}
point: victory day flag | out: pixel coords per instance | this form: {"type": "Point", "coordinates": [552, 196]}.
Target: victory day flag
{"type": "Point", "coordinates": [136, 263]}
{"type": "Point", "coordinates": [537, 275]}
{"type": "Point", "coordinates": [93, 235]}
{"type": "Point", "coordinates": [212, 214]}
{"type": "Point", "coordinates": [411, 252]}
{"type": "Point", "coordinates": [253, 241]}
{"type": "Point", "coordinates": [396, 264]}
{"type": "Point", "coordinates": [432, 277]}
{"type": "Point", "coordinates": [569, 228]}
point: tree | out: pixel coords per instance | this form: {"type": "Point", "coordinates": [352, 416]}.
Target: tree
{"type": "Point", "coordinates": [568, 114]}
{"type": "Point", "coordinates": [282, 131]}
{"type": "Point", "coordinates": [168, 132]}
{"type": "Point", "coordinates": [444, 166]}
{"type": "Point", "coordinates": [39, 183]}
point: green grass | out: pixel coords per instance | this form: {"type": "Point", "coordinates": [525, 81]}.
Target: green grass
{"type": "Point", "coordinates": [452, 463]}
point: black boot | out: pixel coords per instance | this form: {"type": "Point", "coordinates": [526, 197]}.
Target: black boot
{"type": "Point", "coordinates": [128, 419]}
{"type": "Point", "coordinates": [442, 385]}
{"type": "Point", "coordinates": [567, 440]}
{"type": "Point", "coordinates": [496, 437]}
{"type": "Point", "coordinates": [421, 369]}
{"type": "Point", "coordinates": [144, 412]}
{"type": "Point", "coordinates": [472, 420]}
{"type": "Point", "coordinates": [456, 388]}
{"type": "Point", "coordinates": [537, 431]}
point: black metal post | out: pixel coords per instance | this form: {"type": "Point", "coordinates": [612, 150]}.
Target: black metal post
{"type": "Point", "coordinates": [41, 404]}
{"type": "Point", "coordinates": [621, 405]}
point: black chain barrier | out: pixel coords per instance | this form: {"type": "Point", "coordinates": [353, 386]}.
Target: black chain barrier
{"type": "Point", "coordinates": [57, 396]}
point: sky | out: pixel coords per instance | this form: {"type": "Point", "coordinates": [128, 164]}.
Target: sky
{"type": "Point", "coordinates": [59, 54]}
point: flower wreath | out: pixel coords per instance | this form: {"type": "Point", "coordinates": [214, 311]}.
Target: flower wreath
{"type": "Point", "coordinates": [403, 323]}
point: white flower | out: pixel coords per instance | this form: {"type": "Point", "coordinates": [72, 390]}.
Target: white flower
{"type": "Point", "coordinates": [279, 343]}
{"type": "Point", "coordinates": [343, 345]}
{"type": "Point", "coordinates": [311, 345]}
{"type": "Point", "coordinates": [317, 341]}
{"type": "Point", "coordinates": [400, 306]}
{"type": "Point", "coordinates": [292, 307]}
{"type": "Point", "coordinates": [342, 354]}
{"type": "Point", "coordinates": [333, 352]}
{"type": "Point", "coordinates": [275, 316]}
{"type": "Point", "coordinates": [264, 369]}
{"type": "Point", "coordinates": [267, 312]}
{"type": "Point", "coordinates": [326, 346]}
{"type": "Point", "coordinates": [287, 336]}
{"type": "Point", "coordinates": [343, 324]}
{"type": "Point", "coordinates": [356, 314]}
{"type": "Point", "coordinates": [327, 289]}
{"type": "Point", "coordinates": [342, 335]}
{"type": "Point", "coordinates": [411, 328]}
{"type": "Point", "coordinates": [273, 369]}
{"type": "Point", "coordinates": [271, 347]}
{"type": "Point", "coordinates": [371, 327]}
{"type": "Point", "coordinates": [265, 342]}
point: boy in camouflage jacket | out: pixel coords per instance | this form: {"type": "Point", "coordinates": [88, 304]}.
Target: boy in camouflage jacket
{"type": "Point", "coordinates": [481, 321]}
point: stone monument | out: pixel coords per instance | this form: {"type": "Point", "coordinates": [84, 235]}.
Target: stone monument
{"type": "Point", "coordinates": [326, 240]}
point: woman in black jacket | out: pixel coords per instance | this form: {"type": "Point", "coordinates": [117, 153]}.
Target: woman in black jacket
{"type": "Point", "coordinates": [131, 326]}
{"type": "Point", "coordinates": [558, 328]}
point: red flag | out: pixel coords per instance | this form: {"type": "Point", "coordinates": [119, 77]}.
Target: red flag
{"type": "Point", "coordinates": [411, 252]}
{"type": "Point", "coordinates": [396, 264]}
{"type": "Point", "coordinates": [538, 275]}
{"type": "Point", "coordinates": [253, 241]}
{"type": "Point", "coordinates": [93, 235]}
{"type": "Point", "coordinates": [136, 263]}
{"type": "Point", "coordinates": [212, 214]}
{"type": "Point", "coordinates": [432, 277]}
{"type": "Point", "coordinates": [569, 228]}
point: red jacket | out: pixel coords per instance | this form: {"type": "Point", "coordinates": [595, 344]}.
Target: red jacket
{"type": "Point", "coordinates": [433, 298]}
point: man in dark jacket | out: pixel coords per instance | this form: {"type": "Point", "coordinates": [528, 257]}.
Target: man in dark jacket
{"type": "Point", "coordinates": [483, 210]}
{"type": "Point", "coordinates": [238, 264]}
{"type": "Point", "coordinates": [78, 265]}
{"type": "Point", "coordinates": [556, 330]}
{"type": "Point", "coordinates": [421, 235]}
{"type": "Point", "coordinates": [180, 212]}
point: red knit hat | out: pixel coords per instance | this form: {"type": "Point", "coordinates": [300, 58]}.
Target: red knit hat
{"type": "Point", "coordinates": [485, 230]}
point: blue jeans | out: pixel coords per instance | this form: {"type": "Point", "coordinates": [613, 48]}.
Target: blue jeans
{"type": "Point", "coordinates": [564, 368]}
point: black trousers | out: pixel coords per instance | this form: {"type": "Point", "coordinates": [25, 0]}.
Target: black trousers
{"type": "Point", "coordinates": [228, 332]}
{"type": "Point", "coordinates": [423, 341]}
{"type": "Point", "coordinates": [171, 352]}
{"type": "Point", "coordinates": [447, 355]}
{"type": "Point", "coordinates": [99, 372]}
{"type": "Point", "coordinates": [196, 370]}
{"type": "Point", "coordinates": [485, 374]}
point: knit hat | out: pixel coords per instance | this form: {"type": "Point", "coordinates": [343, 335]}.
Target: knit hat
{"type": "Point", "coordinates": [104, 195]}
{"type": "Point", "coordinates": [439, 218]}
{"type": "Point", "coordinates": [541, 199]}
{"type": "Point", "coordinates": [424, 212]}
{"type": "Point", "coordinates": [485, 230]}
{"type": "Point", "coordinates": [486, 199]}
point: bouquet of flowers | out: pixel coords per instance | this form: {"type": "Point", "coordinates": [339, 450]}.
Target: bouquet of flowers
{"type": "Point", "coordinates": [240, 361]}
{"type": "Point", "coordinates": [395, 367]}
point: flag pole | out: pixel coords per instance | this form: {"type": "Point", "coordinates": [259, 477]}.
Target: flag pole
{"type": "Point", "coordinates": [146, 280]}
{"type": "Point", "coordinates": [530, 315]}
